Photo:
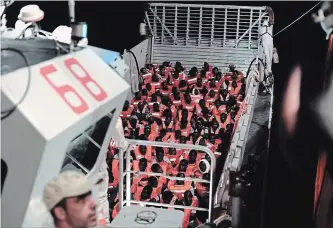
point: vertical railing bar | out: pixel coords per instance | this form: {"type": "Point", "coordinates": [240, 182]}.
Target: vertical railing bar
{"type": "Point", "coordinates": [237, 29]}
{"type": "Point", "coordinates": [175, 28]}
{"type": "Point", "coordinates": [128, 176]}
{"type": "Point", "coordinates": [258, 39]}
{"type": "Point", "coordinates": [188, 24]}
{"type": "Point", "coordinates": [200, 26]}
{"type": "Point", "coordinates": [163, 24]}
{"type": "Point", "coordinates": [225, 27]}
{"type": "Point", "coordinates": [212, 31]}
{"type": "Point", "coordinates": [155, 24]}
{"type": "Point", "coordinates": [250, 32]}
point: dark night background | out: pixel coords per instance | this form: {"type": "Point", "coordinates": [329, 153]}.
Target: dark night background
{"type": "Point", "coordinates": [115, 26]}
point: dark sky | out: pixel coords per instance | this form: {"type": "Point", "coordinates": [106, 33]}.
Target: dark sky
{"type": "Point", "coordinates": [115, 26]}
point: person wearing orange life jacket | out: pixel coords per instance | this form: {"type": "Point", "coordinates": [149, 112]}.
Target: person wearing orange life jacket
{"type": "Point", "coordinates": [214, 127]}
{"type": "Point", "coordinates": [183, 87]}
{"type": "Point", "coordinates": [224, 96]}
{"type": "Point", "coordinates": [199, 84]}
{"type": "Point", "coordinates": [202, 168]}
{"type": "Point", "coordinates": [143, 151]}
{"type": "Point", "coordinates": [146, 75]}
{"type": "Point", "coordinates": [234, 88]}
{"type": "Point", "coordinates": [165, 89]}
{"type": "Point", "coordinates": [127, 110]}
{"type": "Point", "coordinates": [156, 81]}
{"type": "Point", "coordinates": [172, 108]}
{"type": "Point", "coordinates": [191, 201]}
{"type": "Point", "coordinates": [146, 194]}
{"type": "Point", "coordinates": [144, 94]}
{"type": "Point", "coordinates": [198, 107]}
{"type": "Point", "coordinates": [150, 89]}
{"type": "Point", "coordinates": [193, 159]}
{"type": "Point", "coordinates": [168, 198]}
{"type": "Point", "coordinates": [213, 85]}
{"type": "Point", "coordinates": [168, 124]}
{"type": "Point", "coordinates": [153, 99]}
{"type": "Point", "coordinates": [192, 76]}
{"type": "Point", "coordinates": [113, 173]}
{"type": "Point", "coordinates": [158, 169]}
{"type": "Point", "coordinates": [148, 134]}
{"type": "Point", "coordinates": [196, 96]}
{"type": "Point", "coordinates": [225, 84]}
{"type": "Point", "coordinates": [140, 179]}
{"type": "Point", "coordinates": [174, 157]}
{"type": "Point", "coordinates": [188, 103]}
{"type": "Point", "coordinates": [182, 167]}
{"type": "Point", "coordinates": [201, 187]}
{"type": "Point", "coordinates": [205, 116]}
{"type": "Point", "coordinates": [137, 98]}
{"type": "Point", "coordinates": [176, 98]}
{"type": "Point", "coordinates": [184, 114]}
{"type": "Point", "coordinates": [211, 98]}
{"type": "Point", "coordinates": [184, 126]}
{"type": "Point", "coordinates": [155, 191]}
{"type": "Point", "coordinates": [176, 78]}
{"type": "Point", "coordinates": [156, 112]}
{"type": "Point", "coordinates": [223, 120]}
{"type": "Point", "coordinates": [178, 187]}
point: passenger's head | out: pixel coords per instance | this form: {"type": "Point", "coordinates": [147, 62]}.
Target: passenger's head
{"type": "Point", "coordinates": [211, 94]}
{"type": "Point", "coordinates": [164, 85]}
{"type": "Point", "coordinates": [202, 103]}
{"type": "Point", "coordinates": [144, 92]}
{"type": "Point", "coordinates": [218, 76]}
{"type": "Point", "coordinates": [188, 198]}
{"type": "Point", "coordinates": [212, 83]}
{"type": "Point", "coordinates": [143, 149]}
{"type": "Point", "coordinates": [156, 107]}
{"type": "Point", "coordinates": [223, 117]}
{"type": "Point", "coordinates": [228, 109]}
{"type": "Point", "coordinates": [199, 81]}
{"type": "Point", "coordinates": [182, 84]}
{"type": "Point", "coordinates": [214, 124]}
{"type": "Point", "coordinates": [137, 95]}
{"type": "Point", "coordinates": [193, 72]}
{"type": "Point", "coordinates": [167, 197]}
{"type": "Point", "coordinates": [146, 192]}
{"type": "Point", "coordinates": [192, 156]}
{"type": "Point", "coordinates": [182, 165]}
{"type": "Point", "coordinates": [211, 139]}
{"type": "Point", "coordinates": [206, 66]}
{"type": "Point", "coordinates": [153, 181]}
{"type": "Point", "coordinates": [147, 130]}
{"type": "Point", "coordinates": [234, 84]}
{"type": "Point", "coordinates": [178, 133]}
{"type": "Point", "coordinates": [215, 70]}
{"type": "Point", "coordinates": [156, 168]}
{"type": "Point", "coordinates": [171, 151]}
{"type": "Point", "coordinates": [182, 139]}
{"type": "Point", "coordinates": [180, 182]}
{"type": "Point", "coordinates": [159, 154]}
{"type": "Point", "coordinates": [188, 98]}
{"type": "Point", "coordinates": [155, 78]}
{"type": "Point", "coordinates": [142, 164]}
{"type": "Point", "coordinates": [183, 123]}
{"type": "Point", "coordinates": [69, 200]}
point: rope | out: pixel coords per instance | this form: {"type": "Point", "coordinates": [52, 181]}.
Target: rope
{"type": "Point", "coordinates": [298, 18]}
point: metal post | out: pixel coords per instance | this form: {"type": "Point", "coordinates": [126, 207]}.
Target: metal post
{"type": "Point", "coordinates": [250, 32]}
{"type": "Point", "coordinates": [237, 28]}
{"type": "Point", "coordinates": [175, 28]}
{"type": "Point", "coordinates": [187, 24]}
{"type": "Point", "coordinates": [163, 24]}
{"type": "Point", "coordinates": [236, 213]}
{"type": "Point", "coordinates": [200, 26]}
{"type": "Point", "coordinates": [128, 176]}
{"type": "Point", "coordinates": [212, 31]}
{"type": "Point", "coordinates": [225, 26]}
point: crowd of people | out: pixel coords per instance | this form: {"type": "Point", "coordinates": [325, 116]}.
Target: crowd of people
{"type": "Point", "coordinates": [199, 107]}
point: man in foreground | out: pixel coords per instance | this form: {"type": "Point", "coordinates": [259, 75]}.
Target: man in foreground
{"type": "Point", "coordinates": [69, 200]}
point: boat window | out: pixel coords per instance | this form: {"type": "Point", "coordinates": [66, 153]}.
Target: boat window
{"type": "Point", "coordinates": [4, 171]}
{"type": "Point", "coordinates": [84, 149]}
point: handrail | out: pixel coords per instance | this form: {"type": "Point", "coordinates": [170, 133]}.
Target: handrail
{"type": "Point", "coordinates": [167, 145]}
{"type": "Point", "coordinates": [167, 205]}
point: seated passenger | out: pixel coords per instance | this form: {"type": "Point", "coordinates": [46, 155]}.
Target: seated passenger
{"type": "Point", "coordinates": [201, 187]}
{"type": "Point", "coordinates": [183, 87]}
{"type": "Point", "coordinates": [162, 181]}
{"type": "Point", "coordinates": [188, 103]}
{"type": "Point", "coordinates": [150, 89]}
{"type": "Point", "coordinates": [146, 75]}
{"type": "Point", "coordinates": [155, 81]}
{"type": "Point", "coordinates": [137, 98]}
{"type": "Point", "coordinates": [224, 96]}
{"type": "Point", "coordinates": [202, 168]}
{"type": "Point", "coordinates": [113, 173]}
{"type": "Point", "coordinates": [213, 85]}
{"type": "Point", "coordinates": [193, 159]}
{"type": "Point", "coordinates": [199, 85]}
{"type": "Point", "coordinates": [234, 88]}
{"type": "Point", "coordinates": [165, 89]}
{"type": "Point", "coordinates": [174, 156]}
{"type": "Point", "coordinates": [191, 201]}
{"type": "Point", "coordinates": [192, 77]}
{"type": "Point", "coordinates": [168, 198]}
{"type": "Point", "coordinates": [198, 108]}
{"type": "Point", "coordinates": [144, 94]}
{"type": "Point", "coordinates": [143, 152]}
{"type": "Point", "coordinates": [204, 75]}
{"type": "Point", "coordinates": [148, 134]}
{"type": "Point", "coordinates": [196, 96]}
{"type": "Point", "coordinates": [211, 98]}
{"type": "Point", "coordinates": [168, 124]}
{"type": "Point", "coordinates": [156, 111]}
{"type": "Point", "coordinates": [178, 187]}
{"type": "Point", "coordinates": [160, 159]}
{"type": "Point", "coordinates": [127, 110]}
{"type": "Point", "coordinates": [184, 126]}
{"type": "Point", "coordinates": [176, 98]}
{"type": "Point", "coordinates": [182, 167]}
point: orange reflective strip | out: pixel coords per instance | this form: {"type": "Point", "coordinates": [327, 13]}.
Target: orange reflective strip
{"type": "Point", "coordinates": [322, 161]}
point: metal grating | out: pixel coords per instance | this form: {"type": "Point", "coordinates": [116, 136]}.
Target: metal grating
{"type": "Point", "coordinates": [193, 34]}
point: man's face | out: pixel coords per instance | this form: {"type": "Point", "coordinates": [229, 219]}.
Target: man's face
{"type": "Point", "coordinates": [192, 156]}
{"type": "Point", "coordinates": [143, 149]}
{"type": "Point", "coordinates": [142, 166]}
{"type": "Point", "coordinates": [159, 155]}
{"type": "Point", "coordinates": [223, 118]}
{"type": "Point", "coordinates": [81, 211]}
{"type": "Point", "coordinates": [182, 167]}
{"type": "Point", "coordinates": [147, 130]}
{"type": "Point", "coordinates": [188, 98]}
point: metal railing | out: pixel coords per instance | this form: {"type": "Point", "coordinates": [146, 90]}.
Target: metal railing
{"type": "Point", "coordinates": [128, 201]}
{"type": "Point", "coordinates": [193, 33]}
